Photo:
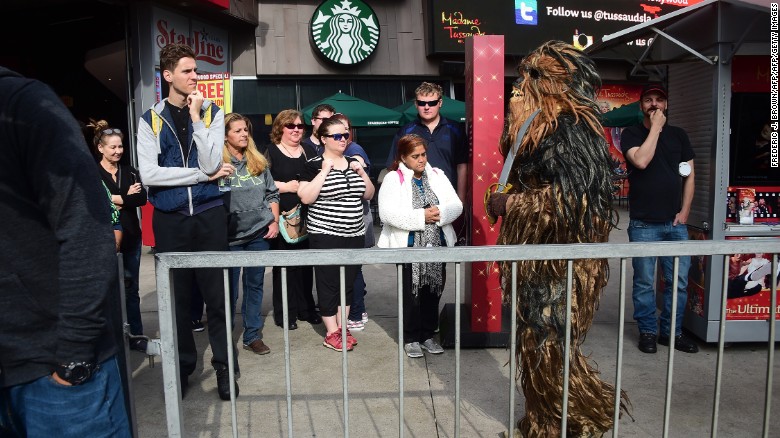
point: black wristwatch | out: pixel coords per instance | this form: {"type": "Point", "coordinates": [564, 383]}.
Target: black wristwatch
{"type": "Point", "coordinates": [75, 373]}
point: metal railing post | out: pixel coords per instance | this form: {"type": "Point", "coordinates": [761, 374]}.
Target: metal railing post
{"type": "Point", "coordinates": [619, 370]}
{"type": "Point", "coordinates": [166, 306]}
{"type": "Point", "coordinates": [670, 363]}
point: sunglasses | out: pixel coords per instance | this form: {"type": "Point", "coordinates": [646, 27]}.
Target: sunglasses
{"type": "Point", "coordinates": [293, 126]}
{"type": "Point", "coordinates": [338, 137]}
{"type": "Point", "coordinates": [111, 131]}
{"type": "Point", "coordinates": [428, 102]}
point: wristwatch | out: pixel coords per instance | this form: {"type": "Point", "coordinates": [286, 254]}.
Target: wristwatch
{"type": "Point", "coordinates": [75, 373]}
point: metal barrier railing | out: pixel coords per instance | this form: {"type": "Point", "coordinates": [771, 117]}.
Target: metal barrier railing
{"type": "Point", "coordinates": [458, 255]}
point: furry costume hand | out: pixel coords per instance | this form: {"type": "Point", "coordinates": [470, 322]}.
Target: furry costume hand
{"type": "Point", "coordinates": [496, 206]}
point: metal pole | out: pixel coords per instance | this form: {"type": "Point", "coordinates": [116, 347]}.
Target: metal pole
{"type": "Point", "coordinates": [458, 286]}
{"type": "Point", "coordinates": [619, 372]}
{"type": "Point", "coordinates": [566, 349]}
{"type": "Point", "coordinates": [670, 364]}
{"type": "Point", "coordinates": [771, 347]}
{"type": "Point", "coordinates": [512, 351]}
{"type": "Point", "coordinates": [166, 306]}
{"type": "Point", "coordinates": [344, 347]}
{"type": "Point", "coordinates": [721, 346]}
{"type": "Point", "coordinates": [230, 350]}
{"type": "Point", "coordinates": [287, 371]}
{"type": "Point", "coordinates": [400, 271]}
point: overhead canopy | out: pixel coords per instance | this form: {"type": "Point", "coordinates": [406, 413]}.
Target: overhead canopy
{"type": "Point", "coordinates": [360, 113]}
{"type": "Point", "coordinates": [625, 115]}
{"type": "Point", "coordinates": [451, 109]}
{"type": "Point", "coordinates": [691, 33]}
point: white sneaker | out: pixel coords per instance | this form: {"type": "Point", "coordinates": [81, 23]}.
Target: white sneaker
{"type": "Point", "coordinates": [413, 350]}
{"type": "Point", "coordinates": [432, 347]}
{"type": "Point", "coordinates": [761, 272]}
{"type": "Point", "coordinates": [355, 326]}
{"type": "Point", "coordinates": [364, 318]}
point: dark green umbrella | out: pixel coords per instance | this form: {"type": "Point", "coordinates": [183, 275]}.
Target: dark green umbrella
{"type": "Point", "coordinates": [452, 109]}
{"type": "Point", "coordinates": [625, 115]}
{"type": "Point", "coordinates": [360, 112]}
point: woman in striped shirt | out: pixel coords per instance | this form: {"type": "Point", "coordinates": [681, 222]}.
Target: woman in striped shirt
{"type": "Point", "coordinates": [334, 187]}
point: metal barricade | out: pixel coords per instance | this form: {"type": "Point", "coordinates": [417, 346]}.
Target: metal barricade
{"type": "Point", "coordinates": [457, 255]}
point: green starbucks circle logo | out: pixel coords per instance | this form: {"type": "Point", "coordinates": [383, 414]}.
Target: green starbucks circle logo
{"type": "Point", "coordinates": [344, 31]}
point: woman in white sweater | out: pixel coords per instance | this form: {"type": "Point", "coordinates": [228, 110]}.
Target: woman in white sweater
{"type": "Point", "coordinates": [417, 205]}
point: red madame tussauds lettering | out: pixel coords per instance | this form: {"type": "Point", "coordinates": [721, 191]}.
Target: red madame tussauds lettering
{"type": "Point", "coordinates": [204, 50]}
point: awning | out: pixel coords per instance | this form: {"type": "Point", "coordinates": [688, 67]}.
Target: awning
{"type": "Point", "coordinates": [690, 34]}
{"type": "Point", "coordinates": [360, 112]}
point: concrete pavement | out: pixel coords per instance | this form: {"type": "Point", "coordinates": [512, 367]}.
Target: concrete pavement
{"type": "Point", "coordinates": [429, 383]}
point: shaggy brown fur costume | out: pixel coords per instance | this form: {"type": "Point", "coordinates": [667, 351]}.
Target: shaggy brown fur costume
{"type": "Point", "coordinates": [561, 194]}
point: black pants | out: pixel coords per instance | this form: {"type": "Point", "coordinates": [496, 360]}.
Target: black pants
{"type": "Point", "coordinates": [300, 280]}
{"type": "Point", "coordinates": [421, 314]}
{"type": "Point", "coordinates": [329, 277]}
{"type": "Point", "coordinates": [206, 231]}
{"type": "Point", "coordinates": [736, 288]}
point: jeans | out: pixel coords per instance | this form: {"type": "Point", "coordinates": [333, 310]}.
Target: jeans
{"type": "Point", "coordinates": [131, 259]}
{"type": "Point", "coordinates": [253, 279]}
{"type": "Point", "coordinates": [644, 274]}
{"type": "Point", "coordinates": [358, 297]}
{"type": "Point", "coordinates": [45, 408]}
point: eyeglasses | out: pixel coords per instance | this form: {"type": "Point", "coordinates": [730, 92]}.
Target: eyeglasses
{"type": "Point", "coordinates": [111, 131]}
{"type": "Point", "coordinates": [338, 137]}
{"type": "Point", "coordinates": [428, 102]}
{"type": "Point", "coordinates": [293, 126]}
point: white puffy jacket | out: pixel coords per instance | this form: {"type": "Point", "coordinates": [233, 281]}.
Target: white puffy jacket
{"type": "Point", "coordinates": [398, 216]}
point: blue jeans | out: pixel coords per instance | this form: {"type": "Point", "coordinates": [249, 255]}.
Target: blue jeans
{"type": "Point", "coordinates": [358, 297]}
{"type": "Point", "coordinates": [44, 407]}
{"type": "Point", "coordinates": [644, 274]}
{"type": "Point", "coordinates": [131, 259]}
{"type": "Point", "coordinates": [253, 279]}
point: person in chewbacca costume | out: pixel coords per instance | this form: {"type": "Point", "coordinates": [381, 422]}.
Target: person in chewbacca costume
{"type": "Point", "coordinates": [558, 191]}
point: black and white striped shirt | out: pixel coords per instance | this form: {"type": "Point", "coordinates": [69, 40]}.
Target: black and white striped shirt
{"type": "Point", "coordinates": [338, 210]}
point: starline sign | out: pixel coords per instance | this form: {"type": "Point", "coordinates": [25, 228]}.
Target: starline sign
{"type": "Point", "coordinates": [208, 48]}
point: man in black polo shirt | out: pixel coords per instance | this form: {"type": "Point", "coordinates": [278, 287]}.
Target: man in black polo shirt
{"type": "Point", "coordinates": [659, 158]}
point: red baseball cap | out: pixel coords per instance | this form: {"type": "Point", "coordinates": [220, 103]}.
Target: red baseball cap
{"type": "Point", "coordinates": [654, 88]}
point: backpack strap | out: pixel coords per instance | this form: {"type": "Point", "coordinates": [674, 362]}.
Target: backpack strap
{"type": "Point", "coordinates": [400, 175]}
{"type": "Point", "coordinates": [157, 123]}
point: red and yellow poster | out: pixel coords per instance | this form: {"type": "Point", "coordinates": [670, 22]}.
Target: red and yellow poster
{"type": "Point", "coordinates": [216, 88]}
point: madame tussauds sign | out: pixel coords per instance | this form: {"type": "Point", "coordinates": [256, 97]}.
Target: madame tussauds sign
{"type": "Point", "coordinates": [344, 31]}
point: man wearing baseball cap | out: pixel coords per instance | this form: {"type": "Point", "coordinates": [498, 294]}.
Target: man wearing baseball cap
{"type": "Point", "coordinates": [659, 159]}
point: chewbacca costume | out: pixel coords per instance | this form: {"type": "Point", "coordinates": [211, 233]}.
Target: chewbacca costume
{"type": "Point", "coordinates": [561, 193]}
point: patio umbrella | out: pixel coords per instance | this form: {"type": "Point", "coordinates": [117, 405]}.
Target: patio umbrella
{"type": "Point", "coordinates": [451, 109]}
{"type": "Point", "coordinates": [360, 112]}
{"type": "Point", "coordinates": [625, 115]}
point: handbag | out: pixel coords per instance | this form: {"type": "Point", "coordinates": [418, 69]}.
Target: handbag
{"type": "Point", "coordinates": [291, 225]}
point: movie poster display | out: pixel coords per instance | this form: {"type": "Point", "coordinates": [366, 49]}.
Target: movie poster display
{"type": "Point", "coordinates": [749, 285]}
{"type": "Point", "coordinates": [613, 98]}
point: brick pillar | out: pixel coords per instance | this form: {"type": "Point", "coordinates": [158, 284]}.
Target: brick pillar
{"type": "Point", "coordinates": [485, 111]}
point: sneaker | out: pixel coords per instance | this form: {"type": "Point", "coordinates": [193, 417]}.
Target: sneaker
{"type": "Point", "coordinates": [761, 272]}
{"type": "Point", "coordinates": [355, 325]}
{"type": "Point", "coordinates": [647, 343]}
{"type": "Point", "coordinates": [432, 346]}
{"type": "Point", "coordinates": [197, 326]}
{"type": "Point", "coordinates": [681, 343]}
{"type": "Point", "coordinates": [350, 339]}
{"type": "Point", "coordinates": [223, 383]}
{"type": "Point", "coordinates": [257, 347]}
{"type": "Point", "coordinates": [413, 350]}
{"type": "Point", "coordinates": [333, 341]}
{"type": "Point", "coordinates": [364, 318]}
{"type": "Point", "coordinates": [139, 345]}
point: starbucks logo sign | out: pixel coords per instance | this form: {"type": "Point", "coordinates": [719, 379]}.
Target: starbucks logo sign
{"type": "Point", "coordinates": [344, 31]}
